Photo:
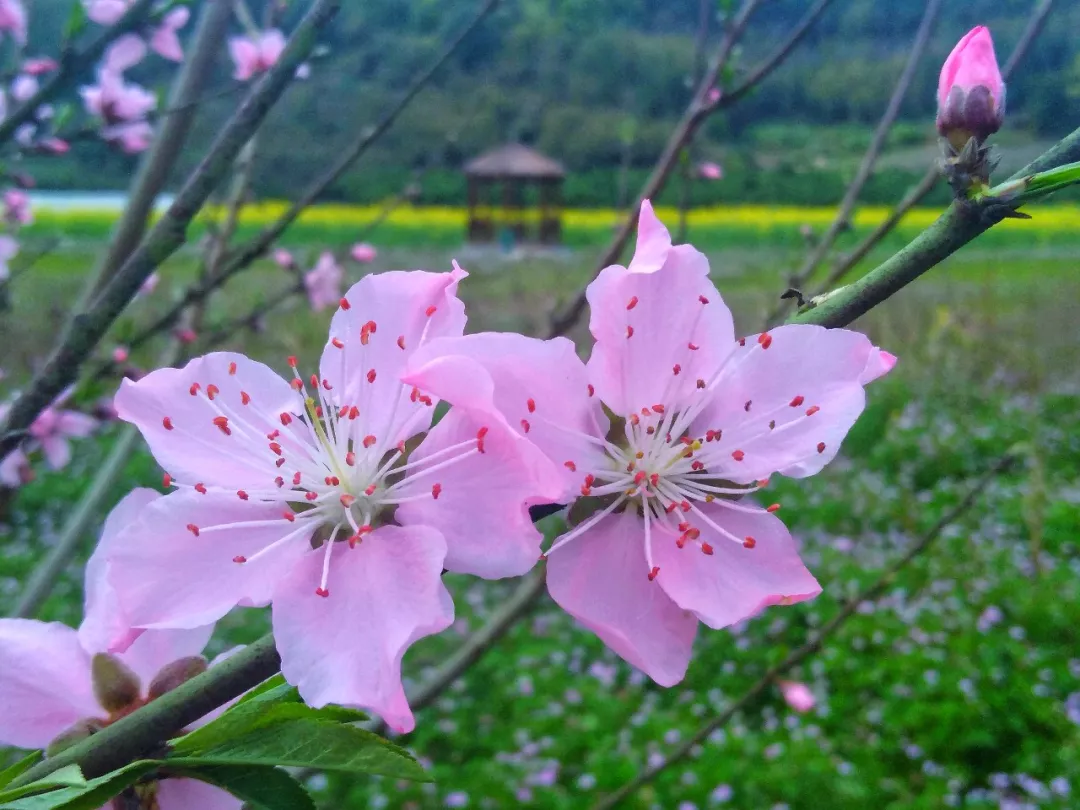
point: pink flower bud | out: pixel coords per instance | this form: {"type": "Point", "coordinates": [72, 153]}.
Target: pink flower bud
{"type": "Point", "coordinates": [363, 252]}
{"type": "Point", "coordinates": [710, 170]}
{"type": "Point", "coordinates": [797, 695]}
{"type": "Point", "coordinates": [971, 92]}
{"type": "Point", "coordinates": [120, 354]}
{"type": "Point", "coordinates": [284, 259]}
{"type": "Point", "coordinates": [186, 335]}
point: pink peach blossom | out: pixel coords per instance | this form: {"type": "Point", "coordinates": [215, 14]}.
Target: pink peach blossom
{"type": "Point", "coordinates": [17, 207]}
{"type": "Point", "coordinates": [15, 469]}
{"type": "Point", "coordinates": [120, 354]}
{"type": "Point", "coordinates": [53, 428]}
{"type": "Point", "coordinates": [363, 252]}
{"type": "Point", "coordinates": [13, 19]}
{"type": "Point", "coordinates": [797, 695]}
{"type": "Point", "coordinates": [351, 591]}
{"type": "Point", "coordinates": [131, 137]}
{"type": "Point", "coordinates": [710, 170]}
{"type": "Point", "coordinates": [38, 65]}
{"type": "Point", "coordinates": [283, 258]}
{"type": "Point", "coordinates": [257, 54]}
{"type": "Point", "coordinates": [164, 41]}
{"type": "Point", "coordinates": [323, 283]}
{"type": "Point", "coordinates": [971, 90]}
{"type": "Point", "coordinates": [112, 99]}
{"type": "Point", "coordinates": [669, 538]}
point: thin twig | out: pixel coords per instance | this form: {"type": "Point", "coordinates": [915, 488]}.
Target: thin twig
{"type": "Point", "coordinates": [73, 64]}
{"type": "Point", "coordinates": [86, 329]}
{"type": "Point", "coordinates": [814, 644]}
{"type": "Point", "coordinates": [870, 158]}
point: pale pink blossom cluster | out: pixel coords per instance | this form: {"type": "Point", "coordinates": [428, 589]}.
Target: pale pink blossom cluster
{"type": "Point", "coordinates": [50, 432]}
{"type": "Point", "coordinates": [164, 39]}
{"type": "Point", "coordinates": [256, 54]}
{"type": "Point", "coordinates": [336, 497]}
{"type": "Point", "coordinates": [121, 106]}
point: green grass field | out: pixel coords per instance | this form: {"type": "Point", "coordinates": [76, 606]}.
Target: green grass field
{"type": "Point", "coordinates": [959, 687]}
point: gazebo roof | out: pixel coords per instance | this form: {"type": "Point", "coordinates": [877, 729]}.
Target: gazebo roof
{"type": "Point", "coordinates": [514, 160]}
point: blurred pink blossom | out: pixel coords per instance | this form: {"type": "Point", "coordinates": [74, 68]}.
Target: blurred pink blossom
{"type": "Point", "coordinates": [13, 19]}
{"type": "Point", "coordinates": [112, 99]}
{"type": "Point", "coordinates": [254, 55]}
{"type": "Point", "coordinates": [186, 335]}
{"type": "Point", "coordinates": [36, 66]}
{"type": "Point", "coordinates": [52, 429]}
{"type": "Point", "coordinates": [15, 469]}
{"type": "Point", "coordinates": [54, 146]}
{"type": "Point", "coordinates": [164, 40]}
{"type": "Point", "coordinates": [17, 207]}
{"type": "Point", "coordinates": [120, 354]}
{"type": "Point", "coordinates": [323, 282]}
{"type": "Point", "coordinates": [710, 170]}
{"type": "Point", "coordinates": [131, 137]}
{"type": "Point", "coordinates": [363, 252]}
{"type": "Point", "coordinates": [149, 284]}
{"type": "Point", "coordinates": [283, 258]}
{"type": "Point", "coordinates": [797, 695]}
{"type": "Point", "coordinates": [23, 87]}
{"type": "Point", "coordinates": [713, 95]}
{"type": "Point", "coordinates": [9, 249]}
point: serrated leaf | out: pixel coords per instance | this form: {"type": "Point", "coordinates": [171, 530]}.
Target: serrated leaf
{"type": "Point", "coordinates": [20, 767]}
{"type": "Point", "coordinates": [270, 683]}
{"type": "Point", "coordinates": [311, 743]}
{"type": "Point", "coordinates": [68, 776]}
{"type": "Point", "coordinates": [259, 785]}
{"type": "Point", "coordinates": [87, 796]}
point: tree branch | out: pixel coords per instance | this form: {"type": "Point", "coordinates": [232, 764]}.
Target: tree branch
{"type": "Point", "coordinates": [86, 329]}
{"type": "Point", "coordinates": [814, 644]}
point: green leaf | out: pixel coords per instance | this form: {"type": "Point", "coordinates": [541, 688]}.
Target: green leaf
{"type": "Point", "coordinates": [76, 22]}
{"type": "Point", "coordinates": [68, 776]}
{"type": "Point", "coordinates": [258, 785]}
{"type": "Point", "coordinates": [270, 683]}
{"type": "Point", "coordinates": [24, 764]}
{"type": "Point", "coordinates": [311, 743]}
{"type": "Point", "coordinates": [86, 796]}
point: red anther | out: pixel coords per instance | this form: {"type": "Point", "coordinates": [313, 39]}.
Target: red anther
{"type": "Point", "coordinates": [289, 516]}
{"type": "Point", "coordinates": [365, 529]}
{"type": "Point", "coordinates": [314, 380]}
{"type": "Point", "coordinates": [166, 480]}
{"type": "Point", "coordinates": [280, 462]}
{"type": "Point", "coordinates": [319, 411]}
{"type": "Point", "coordinates": [697, 466]}
{"type": "Point", "coordinates": [337, 343]}
{"type": "Point", "coordinates": [774, 508]}
{"type": "Point", "coordinates": [706, 549]}
{"type": "Point", "coordinates": [692, 347]}
{"type": "Point", "coordinates": [590, 479]}
{"type": "Point", "coordinates": [241, 495]}
{"type": "Point", "coordinates": [335, 481]}
{"type": "Point", "coordinates": [401, 342]}
{"type": "Point", "coordinates": [311, 496]}
{"type": "Point", "coordinates": [530, 403]}
{"type": "Point", "coordinates": [742, 341]}
{"type": "Point", "coordinates": [371, 375]}
{"type": "Point", "coordinates": [279, 481]}
{"type": "Point", "coordinates": [763, 482]}
{"type": "Point", "coordinates": [592, 391]}
{"type": "Point", "coordinates": [681, 541]}
{"type": "Point", "coordinates": [640, 477]}
{"type": "Point", "coordinates": [646, 412]}
{"type": "Point", "coordinates": [812, 410]}
{"type": "Point", "coordinates": [323, 592]}
{"type": "Point", "coordinates": [430, 310]}
{"type": "Point", "coordinates": [630, 467]}
{"type": "Point", "coordinates": [435, 490]}
{"type": "Point", "coordinates": [286, 418]}
{"type": "Point", "coordinates": [350, 458]}
{"type": "Point", "coordinates": [684, 505]}
{"type": "Point", "coordinates": [686, 440]}
{"type": "Point", "coordinates": [480, 434]}
{"type": "Point", "coordinates": [765, 340]}
{"type": "Point", "coordinates": [654, 479]}
{"type": "Point", "coordinates": [297, 383]}
{"type": "Point", "coordinates": [797, 401]}
{"type": "Point", "coordinates": [369, 440]}
{"type": "Point", "coordinates": [426, 400]}
{"type": "Point", "coordinates": [232, 368]}
{"type": "Point", "coordinates": [369, 490]}
{"type": "Point", "coordinates": [347, 500]}
{"type": "Point", "coordinates": [571, 466]}
{"type": "Point", "coordinates": [684, 526]}
{"type": "Point", "coordinates": [191, 527]}
{"type": "Point", "coordinates": [353, 412]}
{"type": "Point", "coordinates": [749, 542]}
{"type": "Point", "coordinates": [700, 383]}
{"type": "Point", "coordinates": [629, 332]}
{"type": "Point", "coordinates": [712, 435]}
{"type": "Point", "coordinates": [676, 369]}
{"type": "Point", "coordinates": [703, 299]}
{"type": "Point", "coordinates": [635, 419]}
{"type": "Point", "coordinates": [738, 455]}
{"type": "Point", "coordinates": [585, 491]}
{"type": "Point", "coordinates": [650, 430]}
{"type": "Point", "coordinates": [326, 385]}
{"type": "Point", "coordinates": [212, 391]}
{"type": "Point", "coordinates": [296, 478]}
{"type": "Point", "coordinates": [654, 572]}
{"type": "Point", "coordinates": [275, 448]}
{"type": "Point", "coordinates": [200, 488]}
{"type": "Point", "coordinates": [245, 397]}
{"type": "Point", "coordinates": [344, 303]}
{"type": "Point", "coordinates": [167, 423]}
{"type": "Point", "coordinates": [222, 423]}
{"type": "Point", "coordinates": [353, 540]}
{"type": "Point", "coordinates": [821, 447]}
{"type": "Point", "coordinates": [542, 557]}
{"type": "Point", "coordinates": [342, 411]}
{"type": "Point", "coordinates": [400, 446]}
{"type": "Point", "coordinates": [658, 408]}
{"type": "Point", "coordinates": [327, 480]}
{"type": "Point", "coordinates": [631, 303]}
{"type": "Point", "coordinates": [292, 360]}
{"type": "Point", "coordinates": [693, 533]}
{"type": "Point", "coordinates": [746, 407]}
{"type": "Point", "coordinates": [239, 558]}
{"type": "Point", "coordinates": [194, 390]}
{"type": "Point", "coordinates": [671, 507]}
{"type": "Point", "coordinates": [525, 426]}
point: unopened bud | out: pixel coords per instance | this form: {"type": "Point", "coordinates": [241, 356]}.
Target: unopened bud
{"type": "Point", "coordinates": [76, 734]}
{"type": "Point", "coordinates": [971, 91]}
{"type": "Point", "coordinates": [172, 675]}
{"type": "Point", "coordinates": [116, 687]}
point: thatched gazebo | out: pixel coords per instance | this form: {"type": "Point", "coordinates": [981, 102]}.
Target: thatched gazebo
{"type": "Point", "coordinates": [515, 189]}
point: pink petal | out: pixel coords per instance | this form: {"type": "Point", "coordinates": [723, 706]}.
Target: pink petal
{"type": "Point", "coordinates": [539, 389]}
{"type": "Point", "coordinates": [105, 628]}
{"type": "Point", "coordinates": [191, 794]}
{"type": "Point", "coordinates": [346, 648]}
{"type": "Point", "coordinates": [196, 449]}
{"type": "Point", "coordinates": [646, 317]}
{"type": "Point", "coordinates": [245, 56]}
{"type": "Point", "coordinates": [972, 63]}
{"type": "Point", "coordinates": [797, 695]}
{"type": "Point", "coordinates": [166, 44]}
{"type": "Point", "coordinates": [106, 12]}
{"type": "Point", "coordinates": [44, 682]}
{"type": "Point", "coordinates": [601, 579]}
{"type": "Point", "coordinates": [363, 252]}
{"type": "Point", "coordinates": [878, 364]}
{"type": "Point", "coordinates": [13, 468]}
{"type": "Point", "coordinates": [807, 385]}
{"type": "Point", "coordinates": [125, 53]}
{"type": "Point", "coordinates": [271, 45]}
{"type": "Point", "coordinates": [57, 451]}
{"type": "Point", "coordinates": [155, 648]}
{"type": "Point", "coordinates": [166, 577]}
{"type": "Point", "coordinates": [73, 423]}
{"type": "Point", "coordinates": [734, 582]}
{"type": "Point", "coordinates": [494, 489]}
{"type": "Point", "coordinates": [398, 304]}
